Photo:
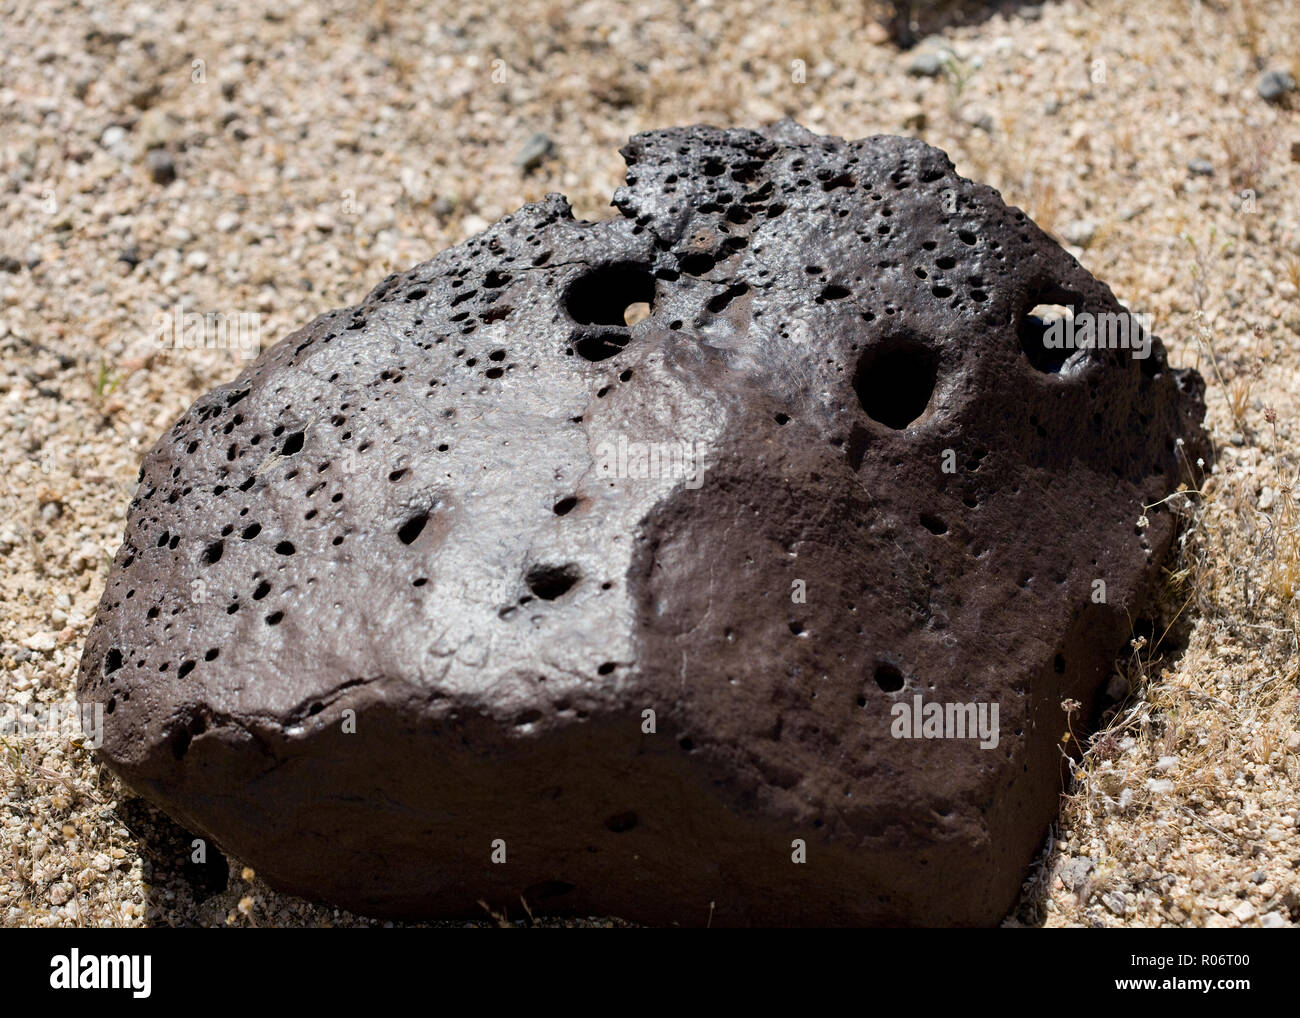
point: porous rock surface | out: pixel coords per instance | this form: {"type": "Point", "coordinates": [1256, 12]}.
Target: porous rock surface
{"type": "Point", "coordinates": [388, 611]}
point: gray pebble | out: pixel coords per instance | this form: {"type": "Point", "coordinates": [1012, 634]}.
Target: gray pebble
{"type": "Point", "coordinates": [536, 149]}
{"type": "Point", "coordinates": [1080, 232]}
{"type": "Point", "coordinates": [1074, 871]}
{"type": "Point", "coordinates": [1273, 86]}
{"type": "Point", "coordinates": [926, 64]}
{"type": "Point", "coordinates": [1200, 168]}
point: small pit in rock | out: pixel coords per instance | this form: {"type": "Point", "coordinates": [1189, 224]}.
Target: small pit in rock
{"type": "Point", "coordinates": [549, 582]}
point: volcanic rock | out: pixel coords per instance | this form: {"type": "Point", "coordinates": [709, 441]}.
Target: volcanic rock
{"type": "Point", "coordinates": [473, 591]}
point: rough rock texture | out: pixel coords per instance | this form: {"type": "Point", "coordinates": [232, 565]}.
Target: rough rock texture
{"type": "Point", "coordinates": [406, 520]}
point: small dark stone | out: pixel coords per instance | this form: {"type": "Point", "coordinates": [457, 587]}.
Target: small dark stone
{"type": "Point", "coordinates": [1275, 86]}
{"type": "Point", "coordinates": [10, 264]}
{"type": "Point", "coordinates": [161, 166]}
{"type": "Point", "coordinates": [536, 150]}
{"type": "Point", "coordinates": [1200, 168]}
{"type": "Point", "coordinates": [451, 606]}
{"type": "Point", "coordinates": [130, 255]}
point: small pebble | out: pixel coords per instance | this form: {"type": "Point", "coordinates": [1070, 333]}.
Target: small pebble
{"type": "Point", "coordinates": [161, 167]}
{"type": "Point", "coordinates": [1274, 86]}
{"type": "Point", "coordinates": [40, 641]}
{"type": "Point", "coordinates": [1080, 232]}
{"type": "Point", "coordinates": [926, 64]}
{"type": "Point", "coordinates": [535, 151]}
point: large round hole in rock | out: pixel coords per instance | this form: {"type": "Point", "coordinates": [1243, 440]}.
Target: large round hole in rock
{"type": "Point", "coordinates": [549, 582]}
{"type": "Point", "coordinates": [603, 296]}
{"type": "Point", "coordinates": [894, 383]}
{"type": "Point", "coordinates": [1037, 332]}
{"type": "Point", "coordinates": [1046, 330]}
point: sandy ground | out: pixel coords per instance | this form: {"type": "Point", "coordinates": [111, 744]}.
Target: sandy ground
{"type": "Point", "coordinates": [317, 147]}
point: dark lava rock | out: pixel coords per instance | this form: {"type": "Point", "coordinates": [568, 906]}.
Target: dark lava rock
{"type": "Point", "coordinates": [409, 596]}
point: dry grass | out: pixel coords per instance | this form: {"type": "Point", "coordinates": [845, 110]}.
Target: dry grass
{"type": "Point", "coordinates": [1205, 742]}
